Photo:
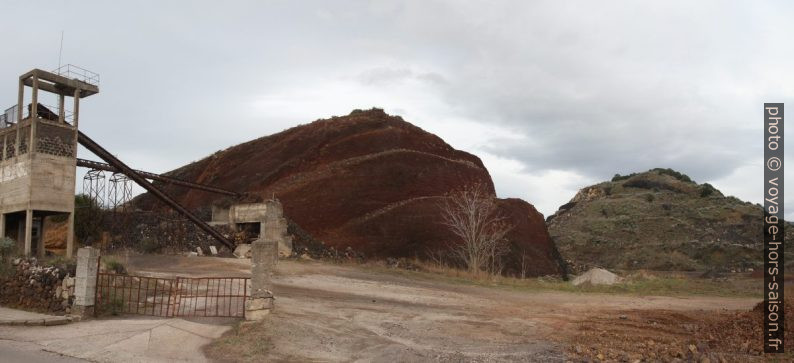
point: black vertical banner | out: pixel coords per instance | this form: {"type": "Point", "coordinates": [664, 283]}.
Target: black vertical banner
{"type": "Point", "coordinates": [774, 311]}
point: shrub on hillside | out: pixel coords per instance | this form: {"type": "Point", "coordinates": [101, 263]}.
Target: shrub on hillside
{"type": "Point", "coordinates": [706, 190]}
{"type": "Point", "coordinates": [643, 183]}
{"type": "Point", "coordinates": [662, 171]}
{"type": "Point", "coordinates": [619, 177]}
{"type": "Point", "coordinates": [680, 176]}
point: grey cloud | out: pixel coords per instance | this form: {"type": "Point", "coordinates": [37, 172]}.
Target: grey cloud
{"type": "Point", "coordinates": [594, 88]}
{"type": "Point", "coordinates": [385, 76]}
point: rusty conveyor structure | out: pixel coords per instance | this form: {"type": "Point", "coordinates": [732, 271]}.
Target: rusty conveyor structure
{"type": "Point", "coordinates": [158, 177]}
{"type": "Point", "coordinates": [116, 165]}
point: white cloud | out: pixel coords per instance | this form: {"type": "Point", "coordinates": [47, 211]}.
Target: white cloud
{"type": "Point", "coordinates": [547, 189]}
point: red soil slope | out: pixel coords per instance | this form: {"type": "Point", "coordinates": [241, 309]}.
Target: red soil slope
{"type": "Point", "coordinates": [367, 180]}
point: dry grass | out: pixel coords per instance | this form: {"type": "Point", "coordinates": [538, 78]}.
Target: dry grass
{"type": "Point", "coordinates": [635, 282]}
{"type": "Point", "coordinates": [246, 342]}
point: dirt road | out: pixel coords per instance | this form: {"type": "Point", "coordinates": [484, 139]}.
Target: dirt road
{"type": "Point", "coordinates": [330, 312]}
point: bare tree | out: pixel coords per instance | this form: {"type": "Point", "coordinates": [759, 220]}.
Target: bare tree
{"type": "Point", "coordinates": [526, 253]}
{"type": "Point", "coordinates": [471, 215]}
{"type": "Point", "coordinates": [436, 256]}
{"type": "Point", "coordinates": [495, 261]}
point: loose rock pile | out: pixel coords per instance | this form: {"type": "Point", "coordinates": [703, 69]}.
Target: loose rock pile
{"type": "Point", "coordinates": [305, 246]}
{"type": "Point", "coordinates": [597, 276]}
{"type": "Point", "coordinates": [159, 232]}
{"type": "Point", "coordinates": [35, 287]}
{"type": "Point", "coordinates": [741, 333]}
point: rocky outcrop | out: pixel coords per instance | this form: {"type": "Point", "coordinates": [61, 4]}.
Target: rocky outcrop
{"type": "Point", "coordinates": [368, 181]}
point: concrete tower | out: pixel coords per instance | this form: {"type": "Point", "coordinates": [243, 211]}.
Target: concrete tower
{"type": "Point", "coordinates": [38, 151]}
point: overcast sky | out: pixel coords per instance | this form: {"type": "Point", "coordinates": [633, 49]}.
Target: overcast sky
{"type": "Point", "coordinates": [552, 96]}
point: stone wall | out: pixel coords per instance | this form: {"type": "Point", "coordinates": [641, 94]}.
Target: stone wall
{"type": "Point", "coordinates": [40, 288]}
{"type": "Point", "coordinates": [157, 232]}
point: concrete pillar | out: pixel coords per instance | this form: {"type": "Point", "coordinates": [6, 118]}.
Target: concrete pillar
{"type": "Point", "coordinates": [28, 231]}
{"type": "Point", "coordinates": [61, 109]}
{"type": "Point", "coordinates": [263, 261]}
{"type": "Point", "coordinates": [275, 227]}
{"type": "Point", "coordinates": [20, 111]}
{"type": "Point", "coordinates": [34, 119]}
{"type": "Point", "coordinates": [20, 99]}
{"type": "Point", "coordinates": [2, 225]}
{"type": "Point", "coordinates": [85, 281]}
{"type": "Point", "coordinates": [40, 243]}
{"type": "Point", "coordinates": [70, 236]}
{"type": "Point", "coordinates": [76, 110]}
{"type": "Point", "coordinates": [34, 97]}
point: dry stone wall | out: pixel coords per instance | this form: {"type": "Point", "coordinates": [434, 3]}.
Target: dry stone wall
{"type": "Point", "coordinates": [40, 288]}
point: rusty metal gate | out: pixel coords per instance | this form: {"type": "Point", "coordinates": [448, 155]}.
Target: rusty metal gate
{"type": "Point", "coordinates": [171, 297]}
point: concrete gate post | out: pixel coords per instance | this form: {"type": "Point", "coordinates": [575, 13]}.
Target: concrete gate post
{"type": "Point", "coordinates": [85, 281]}
{"type": "Point", "coordinates": [264, 254]}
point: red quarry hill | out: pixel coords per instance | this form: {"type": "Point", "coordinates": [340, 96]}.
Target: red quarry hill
{"type": "Point", "coordinates": [367, 180]}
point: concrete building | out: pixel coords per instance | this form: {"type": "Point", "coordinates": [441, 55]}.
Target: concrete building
{"type": "Point", "coordinates": [240, 216]}
{"type": "Point", "coordinates": [255, 218]}
{"type": "Point", "coordinates": [38, 150]}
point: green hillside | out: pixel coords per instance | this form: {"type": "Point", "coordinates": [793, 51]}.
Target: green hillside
{"type": "Point", "coordinates": [658, 220]}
